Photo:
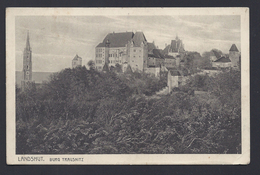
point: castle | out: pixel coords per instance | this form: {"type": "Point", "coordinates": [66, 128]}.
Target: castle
{"type": "Point", "coordinates": [132, 49]}
{"type": "Point", "coordinates": [122, 48]}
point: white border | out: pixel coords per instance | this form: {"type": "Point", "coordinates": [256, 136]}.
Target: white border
{"type": "Point", "coordinates": [143, 159]}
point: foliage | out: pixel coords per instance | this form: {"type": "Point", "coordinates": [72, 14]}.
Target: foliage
{"type": "Point", "coordinates": [86, 112]}
{"type": "Point", "coordinates": [91, 65]}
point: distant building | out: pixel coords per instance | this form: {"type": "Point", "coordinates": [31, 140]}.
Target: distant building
{"type": "Point", "coordinates": [222, 62]}
{"type": "Point", "coordinates": [27, 65]}
{"type": "Point", "coordinates": [176, 50]}
{"type": "Point", "coordinates": [120, 48]}
{"type": "Point", "coordinates": [234, 55]}
{"type": "Point", "coordinates": [232, 60]}
{"type": "Point", "coordinates": [77, 61]}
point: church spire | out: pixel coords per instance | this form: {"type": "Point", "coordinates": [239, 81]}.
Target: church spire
{"type": "Point", "coordinates": [28, 41]}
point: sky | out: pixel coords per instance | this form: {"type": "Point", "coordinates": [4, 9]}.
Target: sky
{"type": "Point", "coordinates": [55, 40]}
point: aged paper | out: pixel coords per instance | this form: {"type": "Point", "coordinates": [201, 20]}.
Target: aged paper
{"type": "Point", "coordinates": [125, 86]}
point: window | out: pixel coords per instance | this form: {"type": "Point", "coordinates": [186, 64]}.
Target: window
{"type": "Point", "coordinates": [27, 67]}
{"type": "Point", "coordinates": [134, 50]}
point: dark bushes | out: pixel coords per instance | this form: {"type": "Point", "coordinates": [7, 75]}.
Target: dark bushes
{"type": "Point", "coordinates": [84, 111]}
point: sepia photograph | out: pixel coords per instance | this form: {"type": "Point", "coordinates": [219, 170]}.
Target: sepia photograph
{"type": "Point", "coordinates": [128, 86]}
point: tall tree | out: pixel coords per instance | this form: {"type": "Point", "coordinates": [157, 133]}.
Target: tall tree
{"type": "Point", "coordinates": [91, 65]}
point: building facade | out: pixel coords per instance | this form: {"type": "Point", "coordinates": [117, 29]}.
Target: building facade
{"type": "Point", "coordinates": [122, 48]}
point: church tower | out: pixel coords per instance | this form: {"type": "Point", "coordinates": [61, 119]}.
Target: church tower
{"type": "Point", "coordinates": [27, 64]}
{"type": "Point", "coordinates": [27, 61]}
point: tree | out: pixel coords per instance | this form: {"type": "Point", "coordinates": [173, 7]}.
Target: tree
{"type": "Point", "coordinates": [91, 65]}
{"type": "Point", "coordinates": [118, 68]}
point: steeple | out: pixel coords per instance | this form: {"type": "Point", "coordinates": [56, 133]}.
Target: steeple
{"type": "Point", "coordinates": [177, 38]}
{"type": "Point", "coordinates": [28, 41]}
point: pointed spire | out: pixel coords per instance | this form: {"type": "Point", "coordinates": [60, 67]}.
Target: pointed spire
{"type": "Point", "coordinates": [28, 41]}
{"type": "Point", "coordinates": [177, 38]}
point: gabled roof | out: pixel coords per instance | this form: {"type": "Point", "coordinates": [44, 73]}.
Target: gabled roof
{"type": "Point", "coordinates": [139, 38]}
{"type": "Point", "coordinates": [77, 57]}
{"type": "Point", "coordinates": [223, 60]}
{"type": "Point", "coordinates": [233, 48]}
{"type": "Point", "coordinates": [151, 46]}
{"type": "Point", "coordinates": [121, 39]}
{"type": "Point", "coordinates": [156, 53]}
{"type": "Point", "coordinates": [176, 46]}
{"type": "Point", "coordinates": [117, 39]}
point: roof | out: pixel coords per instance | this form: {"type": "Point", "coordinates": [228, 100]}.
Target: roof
{"type": "Point", "coordinates": [151, 46]}
{"type": "Point", "coordinates": [77, 57]}
{"type": "Point", "coordinates": [156, 53]}
{"type": "Point", "coordinates": [223, 60]}
{"type": "Point", "coordinates": [169, 57]}
{"type": "Point", "coordinates": [176, 46]}
{"type": "Point", "coordinates": [117, 39]}
{"type": "Point", "coordinates": [139, 38]}
{"type": "Point", "coordinates": [233, 48]}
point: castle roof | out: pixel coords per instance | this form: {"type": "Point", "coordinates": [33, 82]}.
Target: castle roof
{"type": "Point", "coordinates": [151, 46]}
{"type": "Point", "coordinates": [117, 39]}
{"type": "Point", "coordinates": [77, 57]}
{"type": "Point", "coordinates": [139, 38]}
{"type": "Point", "coordinates": [121, 39]}
{"type": "Point", "coordinates": [233, 48]}
{"type": "Point", "coordinates": [176, 46]}
{"type": "Point", "coordinates": [223, 60]}
{"type": "Point", "coordinates": [156, 53]}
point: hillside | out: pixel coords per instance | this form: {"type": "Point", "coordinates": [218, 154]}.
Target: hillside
{"type": "Point", "coordinates": [82, 111]}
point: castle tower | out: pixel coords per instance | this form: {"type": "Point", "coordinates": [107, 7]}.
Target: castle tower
{"type": "Point", "coordinates": [77, 61]}
{"type": "Point", "coordinates": [234, 55]}
{"type": "Point", "coordinates": [27, 65]}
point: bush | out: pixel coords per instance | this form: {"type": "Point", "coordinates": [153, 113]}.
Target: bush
{"type": "Point", "coordinates": [86, 112]}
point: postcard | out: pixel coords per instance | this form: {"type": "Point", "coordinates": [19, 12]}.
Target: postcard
{"type": "Point", "coordinates": [127, 86]}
